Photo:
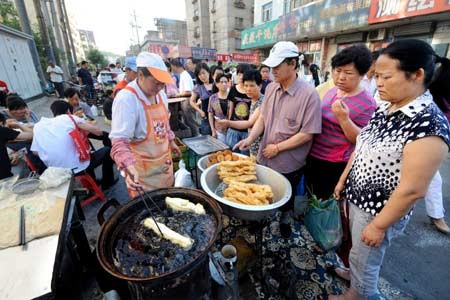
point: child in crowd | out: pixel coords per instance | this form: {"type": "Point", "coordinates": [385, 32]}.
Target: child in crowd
{"type": "Point", "coordinates": [218, 108]}
{"type": "Point", "coordinates": [252, 84]}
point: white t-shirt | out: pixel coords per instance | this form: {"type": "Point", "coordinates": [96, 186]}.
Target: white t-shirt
{"type": "Point", "coordinates": [128, 115]}
{"type": "Point", "coordinates": [186, 83]}
{"type": "Point", "coordinates": [54, 145]}
{"type": "Point", "coordinates": [53, 76]}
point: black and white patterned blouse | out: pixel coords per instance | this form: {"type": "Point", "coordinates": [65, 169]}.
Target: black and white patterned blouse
{"type": "Point", "coordinates": [375, 172]}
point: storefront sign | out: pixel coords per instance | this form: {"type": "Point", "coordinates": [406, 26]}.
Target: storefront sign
{"type": "Point", "coordinates": [261, 35]}
{"type": "Point", "coordinates": [222, 57]}
{"type": "Point", "coordinates": [246, 57]}
{"type": "Point", "coordinates": [324, 16]}
{"type": "Point", "coordinates": [204, 53]}
{"type": "Point", "coordinates": [163, 50]}
{"type": "Point", "coordinates": [302, 47]}
{"type": "Point", "coordinates": [387, 10]}
{"type": "Point", "coordinates": [184, 51]}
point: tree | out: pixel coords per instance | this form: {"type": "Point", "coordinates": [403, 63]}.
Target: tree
{"type": "Point", "coordinates": [96, 57]}
{"type": "Point", "coordinates": [9, 15]}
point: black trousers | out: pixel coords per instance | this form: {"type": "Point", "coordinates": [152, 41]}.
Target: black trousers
{"type": "Point", "coordinates": [59, 86]}
{"type": "Point", "coordinates": [102, 157]}
{"type": "Point", "coordinates": [294, 179]}
{"type": "Point", "coordinates": [321, 176]}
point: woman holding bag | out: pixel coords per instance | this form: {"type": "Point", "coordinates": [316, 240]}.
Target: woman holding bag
{"type": "Point", "coordinates": [140, 131]}
{"type": "Point", "coordinates": [408, 137]}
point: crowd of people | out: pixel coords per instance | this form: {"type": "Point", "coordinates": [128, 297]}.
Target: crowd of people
{"type": "Point", "coordinates": [373, 135]}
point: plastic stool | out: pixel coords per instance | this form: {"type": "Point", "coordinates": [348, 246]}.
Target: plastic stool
{"type": "Point", "coordinates": [89, 183]}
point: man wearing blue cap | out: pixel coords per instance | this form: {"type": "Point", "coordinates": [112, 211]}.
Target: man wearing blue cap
{"type": "Point", "coordinates": [130, 73]}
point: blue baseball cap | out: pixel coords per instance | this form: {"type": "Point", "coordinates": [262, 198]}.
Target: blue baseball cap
{"type": "Point", "coordinates": [130, 63]}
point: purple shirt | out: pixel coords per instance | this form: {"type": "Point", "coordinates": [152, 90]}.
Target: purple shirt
{"type": "Point", "coordinates": [331, 144]}
{"type": "Point", "coordinates": [285, 114]}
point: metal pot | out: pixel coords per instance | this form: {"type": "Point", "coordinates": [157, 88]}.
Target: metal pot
{"type": "Point", "coordinates": [187, 282]}
{"type": "Point", "coordinates": [281, 188]}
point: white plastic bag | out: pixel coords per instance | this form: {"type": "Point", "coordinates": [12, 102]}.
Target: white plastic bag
{"type": "Point", "coordinates": [183, 177]}
{"type": "Point", "coordinates": [94, 110]}
{"type": "Point", "coordinates": [53, 177]}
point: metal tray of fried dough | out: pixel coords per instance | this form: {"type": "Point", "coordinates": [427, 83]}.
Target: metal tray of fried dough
{"type": "Point", "coordinates": [204, 144]}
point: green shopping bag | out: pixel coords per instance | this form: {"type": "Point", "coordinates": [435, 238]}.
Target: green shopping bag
{"type": "Point", "coordinates": [323, 221]}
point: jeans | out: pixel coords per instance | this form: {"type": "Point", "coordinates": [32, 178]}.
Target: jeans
{"type": "Point", "coordinates": [234, 136]}
{"type": "Point", "coordinates": [90, 91]}
{"type": "Point", "coordinates": [189, 117]}
{"type": "Point", "coordinates": [365, 261]}
{"type": "Point", "coordinates": [294, 179]}
{"type": "Point", "coordinates": [205, 129]}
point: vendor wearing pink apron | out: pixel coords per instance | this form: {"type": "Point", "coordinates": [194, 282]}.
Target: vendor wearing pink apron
{"type": "Point", "coordinates": [142, 140]}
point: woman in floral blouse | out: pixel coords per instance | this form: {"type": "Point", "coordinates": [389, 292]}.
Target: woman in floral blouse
{"type": "Point", "coordinates": [408, 137]}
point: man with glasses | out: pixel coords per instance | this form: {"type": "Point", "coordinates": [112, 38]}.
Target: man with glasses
{"type": "Point", "coordinates": [142, 140]}
{"type": "Point", "coordinates": [289, 117]}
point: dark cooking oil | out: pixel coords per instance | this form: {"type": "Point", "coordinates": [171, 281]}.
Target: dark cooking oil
{"type": "Point", "coordinates": [140, 252]}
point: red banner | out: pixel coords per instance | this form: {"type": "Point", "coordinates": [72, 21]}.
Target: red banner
{"type": "Point", "coordinates": [387, 10]}
{"type": "Point", "coordinates": [246, 57]}
{"type": "Point", "coordinates": [222, 57]}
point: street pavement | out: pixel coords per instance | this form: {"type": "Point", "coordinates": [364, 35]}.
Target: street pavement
{"type": "Point", "coordinates": [416, 266]}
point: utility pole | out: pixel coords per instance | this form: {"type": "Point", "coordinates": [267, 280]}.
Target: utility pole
{"type": "Point", "coordinates": [25, 24]}
{"type": "Point", "coordinates": [43, 29]}
{"type": "Point", "coordinates": [65, 36]}
{"type": "Point", "coordinates": [57, 27]}
{"type": "Point", "coordinates": [135, 26]}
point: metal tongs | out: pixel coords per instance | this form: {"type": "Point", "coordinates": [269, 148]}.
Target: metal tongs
{"type": "Point", "coordinates": [142, 194]}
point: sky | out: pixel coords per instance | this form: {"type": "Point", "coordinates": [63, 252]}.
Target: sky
{"type": "Point", "coordinates": [110, 19]}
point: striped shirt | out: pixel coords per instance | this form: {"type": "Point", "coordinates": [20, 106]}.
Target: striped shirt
{"type": "Point", "coordinates": [332, 145]}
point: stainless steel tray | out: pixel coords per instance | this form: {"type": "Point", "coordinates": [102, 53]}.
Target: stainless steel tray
{"type": "Point", "coordinates": [204, 144]}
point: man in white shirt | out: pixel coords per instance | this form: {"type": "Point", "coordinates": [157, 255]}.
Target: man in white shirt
{"type": "Point", "coordinates": [56, 77]}
{"type": "Point", "coordinates": [55, 147]}
{"type": "Point", "coordinates": [186, 86]}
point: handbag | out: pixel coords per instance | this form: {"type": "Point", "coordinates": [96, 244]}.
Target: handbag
{"type": "Point", "coordinates": [81, 142]}
{"type": "Point", "coordinates": [344, 250]}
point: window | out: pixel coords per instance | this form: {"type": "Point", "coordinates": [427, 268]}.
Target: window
{"type": "Point", "coordinates": [286, 6]}
{"type": "Point", "coordinates": [298, 3]}
{"type": "Point", "coordinates": [197, 32]}
{"type": "Point", "coordinates": [214, 26]}
{"type": "Point", "coordinates": [239, 23]}
{"type": "Point", "coordinates": [213, 5]}
{"type": "Point", "coordinates": [196, 12]}
{"type": "Point", "coordinates": [267, 12]}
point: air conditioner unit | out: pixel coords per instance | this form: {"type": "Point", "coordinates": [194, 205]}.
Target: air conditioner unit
{"type": "Point", "coordinates": [376, 35]}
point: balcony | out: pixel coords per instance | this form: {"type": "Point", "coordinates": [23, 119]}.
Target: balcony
{"type": "Point", "coordinates": [213, 11]}
{"type": "Point", "coordinates": [239, 26]}
{"type": "Point", "coordinates": [239, 4]}
{"type": "Point", "coordinates": [195, 18]}
{"type": "Point", "coordinates": [196, 35]}
{"type": "Point", "coordinates": [193, 1]}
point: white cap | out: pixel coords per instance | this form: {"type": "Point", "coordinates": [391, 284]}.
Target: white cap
{"type": "Point", "coordinates": [279, 52]}
{"type": "Point", "coordinates": [155, 65]}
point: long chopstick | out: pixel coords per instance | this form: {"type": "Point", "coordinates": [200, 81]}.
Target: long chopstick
{"type": "Point", "coordinates": [141, 193]}
{"type": "Point", "coordinates": [22, 228]}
